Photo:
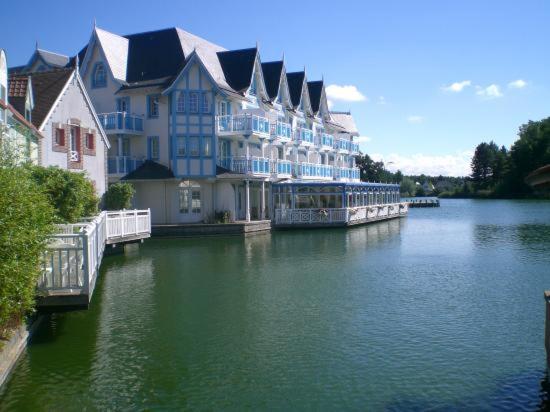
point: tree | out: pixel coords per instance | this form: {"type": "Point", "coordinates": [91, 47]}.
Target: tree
{"type": "Point", "coordinates": [119, 196]}
{"type": "Point", "coordinates": [408, 187]}
{"type": "Point", "coordinates": [372, 171]}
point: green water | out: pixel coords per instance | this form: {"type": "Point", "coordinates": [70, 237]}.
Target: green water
{"type": "Point", "coordinates": [441, 310]}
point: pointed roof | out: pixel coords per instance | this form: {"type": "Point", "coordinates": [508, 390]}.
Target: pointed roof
{"type": "Point", "coordinates": [149, 170]}
{"type": "Point", "coordinates": [115, 49]}
{"type": "Point", "coordinates": [295, 82]}
{"type": "Point", "coordinates": [18, 87]}
{"type": "Point", "coordinates": [47, 86]}
{"type": "Point", "coordinates": [272, 77]}
{"type": "Point", "coordinates": [238, 66]}
{"type": "Point", "coordinates": [315, 90]}
{"type": "Point", "coordinates": [52, 59]}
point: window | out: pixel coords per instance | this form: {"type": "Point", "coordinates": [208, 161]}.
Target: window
{"type": "Point", "coordinates": [193, 146]}
{"type": "Point", "coordinates": [190, 197]}
{"type": "Point", "coordinates": [123, 104]}
{"type": "Point", "coordinates": [222, 109]}
{"type": "Point", "coordinates": [252, 90]}
{"type": "Point", "coordinates": [60, 137]}
{"type": "Point", "coordinates": [153, 148]}
{"type": "Point", "coordinates": [90, 144]}
{"type": "Point", "coordinates": [207, 146]}
{"type": "Point", "coordinates": [205, 103]}
{"type": "Point", "coordinates": [180, 146]}
{"type": "Point", "coordinates": [180, 103]}
{"type": "Point", "coordinates": [153, 106]}
{"type": "Point", "coordinates": [27, 115]}
{"type": "Point", "coordinates": [74, 139]}
{"type": "Point", "coordinates": [99, 74]}
{"type": "Point", "coordinates": [193, 102]}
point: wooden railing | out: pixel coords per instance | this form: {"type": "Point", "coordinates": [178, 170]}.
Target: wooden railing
{"type": "Point", "coordinates": [73, 256]}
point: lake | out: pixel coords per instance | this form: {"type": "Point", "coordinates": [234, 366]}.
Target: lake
{"type": "Point", "coordinates": [443, 309]}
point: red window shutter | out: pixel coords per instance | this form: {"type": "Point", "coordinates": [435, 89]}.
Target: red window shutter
{"type": "Point", "coordinates": [90, 143]}
{"type": "Point", "coordinates": [61, 137]}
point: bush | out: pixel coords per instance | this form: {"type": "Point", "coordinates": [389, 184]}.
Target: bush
{"type": "Point", "coordinates": [26, 219]}
{"type": "Point", "coordinates": [223, 216]}
{"type": "Point", "coordinates": [119, 196]}
{"type": "Point", "coordinates": [72, 195]}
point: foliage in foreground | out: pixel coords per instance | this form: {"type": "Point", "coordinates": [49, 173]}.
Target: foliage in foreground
{"type": "Point", "coordinates": [119, 196]}
{"type": "Point", "coordinates": [26, 219]}
{"type": "Point", "coordinates": [72, 195]}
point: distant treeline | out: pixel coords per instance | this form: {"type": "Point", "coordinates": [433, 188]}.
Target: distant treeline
{"type": "Point", "coordinates": [496, 172]}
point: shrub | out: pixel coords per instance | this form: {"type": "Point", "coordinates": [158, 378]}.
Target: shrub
{"type": "Point", "coordinates": [26, 219]}
{"type": "Point", "coordinates": [119, 196]}
{"type": "Point", "coordinates": [71, 194]}
{"type": "Point", "coordinates": [223, 216]}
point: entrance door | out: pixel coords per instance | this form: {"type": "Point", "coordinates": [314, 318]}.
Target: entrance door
{"type": "Point", "coordinates": [225, 153]}
{"type": "Point", "coordinates": [190, 202]}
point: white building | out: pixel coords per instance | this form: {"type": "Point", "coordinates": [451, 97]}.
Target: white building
{"type": "Point", "coordinates": [73, 137]}
{"type": "Point", "coordinates": [199, 129]}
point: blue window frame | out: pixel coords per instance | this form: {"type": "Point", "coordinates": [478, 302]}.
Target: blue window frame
{"type": "Point", "coordinates": [205, 103]}
{"type": "Point", "coordinates": [194, 102]}
{"type": "Point", "coordinates": [180, 146]}
{"type": "Point", "coordinates": [153, 105]}
{"type": "Point", "coordinates": [194, 146]}
{"type": "Point", "coordinates": [99, 76]}
{"type": "Point", "coordinates": [180, 102]}
{"type": "Point", "coordinates": [123, 104]}
{"type": "Point", "coordinates": [153, 148]}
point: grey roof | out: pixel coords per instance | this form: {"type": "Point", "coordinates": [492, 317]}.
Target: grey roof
{"type": "Point", "coordinates": [238, 66]}
{"type": "Point", "coordinates": [150, 170]}
{"type": "Point", "coordinates": [345, 119]}
{"type": "Point", "coordinates": [53, 59]}
{"type": "Point", "coordinates": [315, 90]}
{"type": "Point", "coordinates": [115, 49]}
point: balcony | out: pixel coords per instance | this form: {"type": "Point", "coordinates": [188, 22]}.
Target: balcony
{"type": "Point", "coordinates": [122, 165]}
{"type": "Point", "coordinates": [354, 148]}
{"type": "Point", "coordinates": [347, 173]}
{"type": "Point", "coordinates": [342, 145]}
{"type": "Point", "coordinates": [314, 171]}
{"type": "Point", "coordinates": [251, 165]}
{"type": "Point", "coordinates": [304, 136]}
{"type": "Point", "coordinates": [121, 123]}
{"type": "Point", "coordinates": [325, 141]}
{"type": "Point", "coordinates": [281, 131]}
{"type": "Point", "coordinates": [282, 168]}
{"type": "Point", "coordinates": [242, 124]}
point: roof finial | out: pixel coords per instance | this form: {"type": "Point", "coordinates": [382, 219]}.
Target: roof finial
{"type": "Point", "coordinates": [36, 45]}
{"type": "Point", "coordinates": [283, 57]}
{"type": "Point", "coordinates": [95, 23]}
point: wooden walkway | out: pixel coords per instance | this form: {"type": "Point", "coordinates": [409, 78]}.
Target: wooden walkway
{"type": "Point", "coordinates": [73, 256]}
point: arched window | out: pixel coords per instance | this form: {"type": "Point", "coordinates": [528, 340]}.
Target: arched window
{"type": "Point", "coordinates": [99, 76]}
{"type": "Point", "coordinates": [180, 103]}
{"type": "Point", "coordinates": [190, 197]}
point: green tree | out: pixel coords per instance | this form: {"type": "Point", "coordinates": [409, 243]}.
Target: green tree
{"type": "Point", "coordinates": [71, 194]}
{"type": "Point", "coordinates": [119, 196]}
{"type": "Point", "coordinates": [408, 187]}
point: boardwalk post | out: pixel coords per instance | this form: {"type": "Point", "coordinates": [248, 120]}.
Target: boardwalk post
{"type": "Point", "coordinates": [547, 326]}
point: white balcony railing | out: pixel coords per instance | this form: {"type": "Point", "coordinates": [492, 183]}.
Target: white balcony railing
{"type": "Point", "coordinates": [281, 131]}
{"type": "Point", "coordinates": [74, 156]}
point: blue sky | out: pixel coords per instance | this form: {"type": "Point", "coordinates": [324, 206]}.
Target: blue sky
{"type": "Point", "coordinates": [399, 57]}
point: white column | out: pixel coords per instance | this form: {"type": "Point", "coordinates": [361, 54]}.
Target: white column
{"type": "Point", "coordinates": [247, 200]}
{"type": "Point", "coordinates": [119, 144]}
{"type": "Point", "coordinates": [284, 151]}
{"type": "Point", "coordinates": [262, 202]}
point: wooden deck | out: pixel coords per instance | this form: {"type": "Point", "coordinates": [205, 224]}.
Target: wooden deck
{"type": "Point", "coordinates": [73, 256]}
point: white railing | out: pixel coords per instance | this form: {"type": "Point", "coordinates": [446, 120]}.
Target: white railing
{"type": "Point", "coordinates": [73, 257]}
{"type": "Point", "coordinates": [73, 156]}
{"type": "Point", "coordinates": [338, 215]}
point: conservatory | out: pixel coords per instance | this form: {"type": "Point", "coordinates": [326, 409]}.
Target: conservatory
{"type": "Point", "coordinates": [309, 204]}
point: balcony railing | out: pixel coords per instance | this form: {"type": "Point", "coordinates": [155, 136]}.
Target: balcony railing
{"type": "Point", "coordinates": [250, 165]}
{"type": "Point", "coordinates": [354, 148]}
{"type": "Point", "coordinates": [281, 131]}
{"type": "Point", "coordinates": [303, 135]}
{"type": "Point", "coordinates": [282, 167]}
{"type": "Point", "coordinates": [73, 156]}
{"type": "Point", "coordinates": [246, 124]}
{"type": "Point", "coordinates": [325, 140]}
{"type": "Point", "coordinates": [314, 170]}
{"type": "Point", "coordinates": [342, 145]}
{"type": "Point", "coordinates": [121, 122]}
{"type": "Point", "coordinates": [347, 173]}
{"type": "Point", "coordinates": [122, 165]}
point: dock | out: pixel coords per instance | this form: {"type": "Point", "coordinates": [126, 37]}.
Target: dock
{"type": "Point", "coordinates": [429, 202]}
{"type": "Point", "coordinates": [73, 256]}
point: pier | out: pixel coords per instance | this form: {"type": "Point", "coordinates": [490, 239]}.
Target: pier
{"type": "Point", "coordinates": [429, 202]}
{"type": "Point", "coordinates": [73, 256]}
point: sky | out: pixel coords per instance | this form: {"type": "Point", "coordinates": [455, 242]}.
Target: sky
{"type": "Point", "coordinates": [425, 80]}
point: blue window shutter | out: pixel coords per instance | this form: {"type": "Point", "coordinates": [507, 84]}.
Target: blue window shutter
{"type": "Point", "coordinates": [149, 147]}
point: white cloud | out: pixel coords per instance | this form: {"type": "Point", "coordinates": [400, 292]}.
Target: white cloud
{"type": "Point", "coordinates": [517, 84]}
{"type": "Point", "coordinates": [457, 87]}
{"type": "Point", "coordinates": [381, 100]}
{"type": "Point", "coordinates": [347, 93]}
{"type": "Point", "coordinates": [415, 119]}
{"type": "Point", "coordinates": [362, 139]}
{"type": "Point", "coordinates": [489, 92]}
{"type": "Point", "coordinates": [457, 164]}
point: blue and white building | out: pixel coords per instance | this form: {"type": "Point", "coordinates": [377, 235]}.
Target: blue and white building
{"type": "Point", "coordinates": [199, 129]}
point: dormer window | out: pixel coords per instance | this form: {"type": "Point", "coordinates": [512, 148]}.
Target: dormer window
{"type": "Point", "coordinates": [99, 78]}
